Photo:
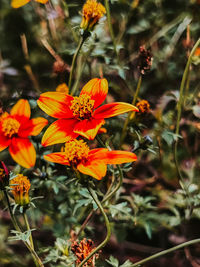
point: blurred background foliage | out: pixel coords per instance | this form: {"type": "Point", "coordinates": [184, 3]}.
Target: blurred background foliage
{"type": "Point", "coordinates": [152, 211]}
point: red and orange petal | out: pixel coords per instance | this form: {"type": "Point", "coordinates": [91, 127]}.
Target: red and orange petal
{"type": "Point", "coordinates": [59, 132]}
{"type": "Point", "coordinates": [23, 152]}
{"type": "Point", "coordinates": [96, 169]}
{"type": "Point", "coordinates": [19, 3]}
{"type": "Point", "coordinates": [97, 89]}
{"type": "Point", "coordinates": [88, 128]}
{"type": "Point", "coordinates": [32, 127]}
{"type": "Point", "coordinates": [4, 142]}
{"type": "Point", "coordinates": [113, 157]}
{"type": "Point", "coordinates": [56, 104]}
{"type": "Point", "coordinates": [113, 109]}
{"type": "Point", "coordinates": [21, 109]}
{"type": "Point", "coordinates": [58, 157]}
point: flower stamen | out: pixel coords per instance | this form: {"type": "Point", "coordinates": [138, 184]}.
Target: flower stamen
{"type": "Point", "coordinates": [76, 151]}
{"type": "Point", "coordinates": [82, 106]}
{"type": "Point", "coordinates": [10, 126]}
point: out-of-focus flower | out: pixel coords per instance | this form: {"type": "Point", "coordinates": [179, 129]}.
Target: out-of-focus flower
{"type": "Point", "coordinates": [20, 186]}
{"type": "Point", "coordinates": [90, 162]}
{"type": "Point", "coordinates": [82, 249]}
{"type": "Point", "coordinates": [196, 56]}
{"type": "Point", "coordinates": [91, 13]}
{"type": "Point", "coordinates": [59, 66]}
{"type": "Point", "coordinates": [15, 129]}
{"type": "Point", "coordinates": [79, 115]}
{"type": "Point", "coordinates": [62, 88]}
{"type": "Point", "coordinates": [19, 3]}
{"type": "Point", "coordinates": [145, 60]}
{"type": "Point", "coordinates": [143, 106]}
{"type": "Point", "coordinates": [4, 175]}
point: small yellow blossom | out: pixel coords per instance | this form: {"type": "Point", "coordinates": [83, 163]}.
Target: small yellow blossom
{"type": "Point", "coordinates": [92, 12]}
{"type": "Point", "coordinates": [143, 106]}
{"type": "Point", "coordinates": [62, 88]}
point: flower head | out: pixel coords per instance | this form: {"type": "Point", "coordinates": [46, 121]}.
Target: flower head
{"type": "Point", "coordinates": [143, 106]}
{"type": "Point", "coordinates": [79, 115]}
{"type": "Point", "coordinates": [19, 3]}
{"type": "Point", "coordinates": [4, 175]}
{"type": "Point", "coordinates": [92, 12]}
{"type": "Point", "coordinates": [20, 189]}
{"type": "Point", "coordinates": [14, 131]}
{"type": "Point", "coordinates": [82, 249]}
{"type": "Point", "coordinates": [62, 88]}
{"type": "Point", "coordinates": [90, 162]}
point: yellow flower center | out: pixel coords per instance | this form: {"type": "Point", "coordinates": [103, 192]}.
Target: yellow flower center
{"type": "Point", "coordinates": [10, 126]}
{"type": "Point", "coordinates": [20, 184]}
{"type": "Point", "coordinates": [76, 151]}
{"type": "Point", "coordinates": [82, 106]}
{"type": "Point", "coordinates": [93, 9]}
{"type": "Point", "coordinates": [143, 106]}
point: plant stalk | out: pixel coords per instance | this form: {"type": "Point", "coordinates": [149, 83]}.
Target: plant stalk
{"type": "Point", "coordinates": [124, 131]}
{"type": "Point", "coordinates": [95, 198]}
{"type": "Point", "coordinates": [164, 252]}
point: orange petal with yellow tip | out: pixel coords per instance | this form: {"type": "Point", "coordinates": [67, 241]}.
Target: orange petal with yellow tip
{"type": "Point", "coordinates": [88, 128]}
{"type": "Point", "coordinates": [32, 127]}
{"type": "Point", "coordinates": [21, 108]}
{"type": "Point", "coordinates": [56, 104]}
{"type": "Point", "coordinates": [97, 89]}
{"type": "Point", "coordinates": [19, 3]}
{"type": "Point", "coordinates": [95, 169]}
{"type": "Point", "coordinates": [114, 157]}
{"type": "Point", "coordinates": [23, 152]}
{"type": "Point", "coordinates": [113, 109]}
{"type": "Point", "coordinates": [59, 132]}
{"type": "Point", "coordinates": [42, 1]}
{"type": "Point", "coordinates": [58, 157]}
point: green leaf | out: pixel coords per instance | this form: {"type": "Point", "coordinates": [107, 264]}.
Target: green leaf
{"type": "Point", "coordinates": [113, 261]}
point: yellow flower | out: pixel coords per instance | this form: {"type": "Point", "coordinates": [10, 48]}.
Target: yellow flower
{"type": "Point", "coordinates": [92, 12]}
{"type": "Point", "coordinates": [20, 189]}
{"type": "Point", "coordinates": [62, 88]}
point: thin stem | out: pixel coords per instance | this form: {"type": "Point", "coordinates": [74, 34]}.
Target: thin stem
{"type": "Point", "coordinates": [107, 6]}
{"type": "Point", "coordinates": [179, 110]}
{"type": "Point", "coordinates": [81, 41]}
{"type": "Point", "coordinates": [164, 252]}
{"type": "Point", "coordinates": [95, 198]}
{"type": "Point", "coordinates": [36, 258]}
{"type": "Point", "coordinates": [28, 228]}
{"type": "Point", "coordinates": [124, 131]}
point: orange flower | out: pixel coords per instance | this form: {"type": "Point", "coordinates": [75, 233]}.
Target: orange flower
{"type": "Point", "coordinates": [79, 115]}
{"type": "Point", "coordinates": [90, 162]}
{"type": "Point", "coordinates": [20, 186]}
{"type": "Point", "coordinates": [14, 131]}
{"type": "Point", "coordinates": [19, 3]}
{"type": "Point", "coordinates": [143, 106]}
{"type": "Point", "coordinates": [92, 12]}
{"type": "Point", "coordinates": [82, 249]}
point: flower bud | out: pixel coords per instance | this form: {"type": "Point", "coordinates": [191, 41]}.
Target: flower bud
{"type": "Point", "coordinates": [91, 13]}
{"type": "Point", "coordinates": [4, 176]}
{"type": "Point", "coordinates": [20, 189]}
{"type": "Point", "coordinates": [143, 106]}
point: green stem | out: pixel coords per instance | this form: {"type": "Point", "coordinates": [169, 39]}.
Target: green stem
{"type": "Point", "coordinates": [36, 259]}
{"type": "Point", "coordinates": [164, 252]}
{"type": "Point", "coordinates": [94, 196]}
{"type": "Point", "coordinates": [81, 41]}
{"type": "Point", "coordinates": [124, 131]}
{"type": "Point", "coordinates": [28, 228]}
{"type": "Point", "coordinates": [107, 6]}
{"type": "Point", "coordinates": [179, 110]}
